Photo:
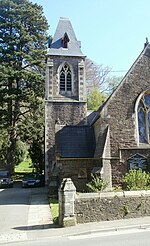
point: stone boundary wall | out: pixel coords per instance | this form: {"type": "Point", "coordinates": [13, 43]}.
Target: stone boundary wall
{"type": "Point", "coordinates": [94, 207]}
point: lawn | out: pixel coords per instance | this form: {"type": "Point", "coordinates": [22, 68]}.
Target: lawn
{"type": "Point", "coordinates": [24, 167]}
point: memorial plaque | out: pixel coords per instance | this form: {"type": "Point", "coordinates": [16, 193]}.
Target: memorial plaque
{"type": "Point", "coordinates": [82, 173]}
{"type": "Point", "coordinates": [137, 162]}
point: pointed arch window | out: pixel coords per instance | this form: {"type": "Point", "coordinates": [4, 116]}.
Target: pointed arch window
{"type": "Point", "coordinates": [65, 79]}
{"type": "Point", "coordinates": [144, 118]}
{"type": "Point", "coordinates": [62, 79]}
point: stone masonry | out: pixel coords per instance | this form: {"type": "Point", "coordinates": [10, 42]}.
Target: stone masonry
{"type": "Point", "coordinates": [115, 123]}
{"type": "Point", "coordinates": [68, 113]}
{"type": "Point", "coordinates": [119, 113]}
{"type": "Point", "coordinates": [63, 105]}
{"type": "Point", "coordinates": [92, 207]}
{"type": "Point", "coordinates": [103, 206]}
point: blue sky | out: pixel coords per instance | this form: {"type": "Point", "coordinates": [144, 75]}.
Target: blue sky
{"type": "Point", "coordinates": [112, 32]}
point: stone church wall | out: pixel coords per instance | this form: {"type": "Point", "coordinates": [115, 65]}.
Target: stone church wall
{"type": "Point", "coordinates": [92, 207]}
{"type": "Point", "coordinates": [68, 113]}
{"type": "Point", "coordinates": [78, 78]}
{"type": "Point", "coordinates": [79, 170]}
{"type": "Point", "coordinates": [121, 108]}
{"type": "Point", "coordinates": [121, 114]}
{"type": "Point", "coordinates": [127, 153]}
{"type": "Point", "coordinates": [67, 109]}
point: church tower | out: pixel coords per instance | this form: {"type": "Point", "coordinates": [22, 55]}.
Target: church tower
{"type": "Point", "coordinates": [65, 91]}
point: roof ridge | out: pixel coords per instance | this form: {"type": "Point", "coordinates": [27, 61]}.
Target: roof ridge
{"type": "Point", "coordinates": [105, 104]}
{"type": "Point", "coordinates": [64, 18]}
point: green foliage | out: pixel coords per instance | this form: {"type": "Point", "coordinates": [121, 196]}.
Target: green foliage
{"type": "Point", "coordinates": [35, 136]}
{"type": "Point", "coordinates": [117, 188]}
{"type": "Point", "coordinates": [94, 99]}
{"type": "Point", "coordinates": [4, 144]}
{"type": "Point", "coordinates": [36, 152]}
{"type": "Point", "coordinates": [136, 180]}
{"type": "Point", "coordinates": [24, 167]}
{"type": "Point", "coordinates": [125, 210]}
{"type": "Point", "coordinates": [54, 206]}
{"type": "Point", "coordinates": [23, 43]}
{"type": "Point", "coordinates": [96, 184]}
{"type": "Point", "coordinates": [21, 152]}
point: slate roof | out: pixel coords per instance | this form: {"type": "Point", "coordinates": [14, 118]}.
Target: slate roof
{"type": "Point", "coordinates": [64, 26]}
{"type": "Point", "coordinates": [75, 142]}
{"type": "Point", "coordinates": [92, 117]}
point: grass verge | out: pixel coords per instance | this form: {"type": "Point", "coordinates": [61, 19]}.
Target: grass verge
{"type": "Point", "coordinates": [54, 210]}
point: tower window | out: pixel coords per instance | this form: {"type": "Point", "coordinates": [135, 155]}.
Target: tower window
{"type": "Point", "coordinates": [65, 79]}
{"type": "Point", "coordinates": [62, 80]}
{"type": "Point", "coordinates": [65, 41]}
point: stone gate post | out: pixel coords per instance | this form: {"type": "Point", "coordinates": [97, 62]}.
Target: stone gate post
{"type": "Point", "coordinates": [66, 196]}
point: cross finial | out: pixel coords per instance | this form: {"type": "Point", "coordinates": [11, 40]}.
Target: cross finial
{"type": "Point", "coordinates": [146, 43]}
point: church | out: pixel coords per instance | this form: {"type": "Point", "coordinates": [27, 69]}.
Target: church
{"type": "Point", "coordinates": [107, 142]}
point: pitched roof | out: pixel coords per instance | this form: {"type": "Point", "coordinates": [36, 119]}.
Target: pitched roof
{"type": "Point", "coordinates": [145, 52]}
{"type": "Point", "coordinates": [75, 142]}
{"type": "Point", "coordinates": [65, 27]}
{"type": "Point", "coordinates": [92, 117]}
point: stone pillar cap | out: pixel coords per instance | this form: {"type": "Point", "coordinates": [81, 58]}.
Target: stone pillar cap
{"type": "Point", "coordinates": [67, 185]}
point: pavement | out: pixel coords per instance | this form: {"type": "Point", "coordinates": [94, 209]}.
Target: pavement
{"type": "Point", "coordinates": [39, 215]}
{"type": "Point", "coordinates": [40, 224]}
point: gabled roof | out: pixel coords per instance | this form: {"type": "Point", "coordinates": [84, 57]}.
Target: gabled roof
{"type": "Point", "coordinates": [65, 28]}
{"type": "Point", "coordinates": [145, 52]}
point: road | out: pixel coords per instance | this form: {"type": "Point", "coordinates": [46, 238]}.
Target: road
{"type": "Point", "coordinates": [23, 210]}
{"type": "Point", "coordinates": [14, 205]}
{"type": "Point", "coordinates": [124, 238]}
{"type": "Point", "coordinates": [19, 211]}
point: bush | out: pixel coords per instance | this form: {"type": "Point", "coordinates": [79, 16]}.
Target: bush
{"type": "Point", "coordinates": [96, 184]}
{"type": "Point", "coordinates": [136, 180]}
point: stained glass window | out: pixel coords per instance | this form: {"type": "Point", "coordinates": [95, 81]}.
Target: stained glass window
{"type": "Point", "coordinates": [144, 118]}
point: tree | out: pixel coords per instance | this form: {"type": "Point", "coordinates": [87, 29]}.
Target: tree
{"type": "Point", "coordinates": [36, 152]}
{"type": "Point", "coordinates": [21, 152]}
{"type": "Point", "coordinates": [4, 144]}
{"type": "Point", "coordinates": [96, 81]}
{"type": "Point", "coordinates": [34, 135]}
{"type": "Point", "coordinates": [113, 82]}
{"type": "Point", "coordinates": [96, 76]}
{"type": "Point", "coordinates": [23, 42]}
{"type": "Point", "coordinates": [94, 99]}
{"type": "Point", "coordinates": [99, 84]}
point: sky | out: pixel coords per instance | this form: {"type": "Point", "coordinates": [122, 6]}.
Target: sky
{"type": "Point", "coordinates": [112, 32]}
